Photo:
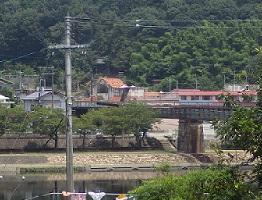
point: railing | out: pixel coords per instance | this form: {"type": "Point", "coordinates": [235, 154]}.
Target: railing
{"type": "Point", "coordinates": [83, 196]}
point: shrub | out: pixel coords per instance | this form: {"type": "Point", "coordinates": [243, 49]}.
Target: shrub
{"type": "Point", "coordinates": [215, 184]}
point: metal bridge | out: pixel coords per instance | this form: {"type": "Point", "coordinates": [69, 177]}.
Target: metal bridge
{"type": "Point", "coordinates": [200, 112]}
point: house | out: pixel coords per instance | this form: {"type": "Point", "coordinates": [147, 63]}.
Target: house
{"type": "Point", "coordinates": [193, 96]}
{"type": "Point", "coordinates": [115, 90]}
{"type": "Point", "coordinates": [45, 98]}
{"type": "Point", "coordinates": [110, 89]}
{"type": "Point", "coordinates": [188, 95]}
{"type": "Point", "coordinates": [4, 101]}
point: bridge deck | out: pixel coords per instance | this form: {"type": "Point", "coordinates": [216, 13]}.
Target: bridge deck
{"type": "Point", "coordinates": [204, 112]}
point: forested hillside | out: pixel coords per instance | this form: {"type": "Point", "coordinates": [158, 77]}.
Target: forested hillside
{"type": "Point", "coordinates": [184, 43]}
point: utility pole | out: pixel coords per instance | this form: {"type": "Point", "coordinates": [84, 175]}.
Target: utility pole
{"type": "Point", "coordinates": [69, 100]}
{"type": "Point", "coordinates": [69, 103]}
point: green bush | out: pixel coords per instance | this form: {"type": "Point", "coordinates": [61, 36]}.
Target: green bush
{"type": "Point", "coordinates": [215, 184]}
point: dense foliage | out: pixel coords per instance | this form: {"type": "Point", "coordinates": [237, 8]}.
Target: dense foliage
{"type": "Point", "coordinates": [181, 42]}
{"type": "Point", "coordinates": [243, 128]}
{"type": "Point", "coordinates": [43, 121]}
{"type": "Point", "coordinates": [129, 119]}
{"type": "Point", "coordinates": [13, 120]}
{"type": "Point", "coordinates": [48, 121]}
{"type": "Point", "coordinates": [213, 184]}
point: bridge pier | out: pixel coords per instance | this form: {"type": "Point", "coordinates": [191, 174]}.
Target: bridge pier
{"type": "Point", "coordinates": [190, 136]}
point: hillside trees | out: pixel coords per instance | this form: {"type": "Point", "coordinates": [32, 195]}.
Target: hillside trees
{"type": "Point", "coordinates": [204, 52]}
{"type": "Point", "coordinates": [191, 40]}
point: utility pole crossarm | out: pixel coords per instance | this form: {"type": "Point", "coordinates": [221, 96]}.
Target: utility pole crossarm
{"type": "Point", "coordinates": [62, 46]}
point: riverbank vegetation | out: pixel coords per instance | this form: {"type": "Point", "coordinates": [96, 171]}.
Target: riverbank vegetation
{"type": "Point", "coordinates": [213, 183]}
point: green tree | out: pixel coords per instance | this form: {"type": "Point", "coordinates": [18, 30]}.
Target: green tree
{"type": "Point", "coordinates": [228, 100]}
{"type": "Point", "coordinates": [13, 120]}
{"type": "Point", "coordinates": [243, 129]}
{"type": "Point", "coordinates": [8, 92]}
{"type": "Point", "coordinates": [49, 122]}
{"type": "Point", "coordinates": [116, 121]}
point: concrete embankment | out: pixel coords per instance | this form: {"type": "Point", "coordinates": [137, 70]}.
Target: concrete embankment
{"type": "Point", "coordinates": [110, 161]}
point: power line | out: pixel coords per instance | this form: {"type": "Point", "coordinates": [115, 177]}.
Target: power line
{"type": "Point", "coordinates": [177, 21]}
{"type": "Point", "coordinates": [23, 56]}
{"type": "Point", "coordinates": [137, 23]}
{"type": "Point", "coordinates": [176, 24]}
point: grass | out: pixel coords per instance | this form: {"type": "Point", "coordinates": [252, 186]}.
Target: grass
{"type": "Point", "coordinates": [50, 169]}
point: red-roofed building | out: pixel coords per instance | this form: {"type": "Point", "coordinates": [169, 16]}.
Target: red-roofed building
{"type": "Point", "coordinates": [195, 96]}
{"type": "Point", "coordinates": [110, 89]}
{"type": "Point", "coordinates": [115, 90]}
{"type": "Point", "coordinates": [213, 95]}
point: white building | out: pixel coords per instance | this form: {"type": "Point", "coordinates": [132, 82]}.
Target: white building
{"type": "Point", "coordinates": [4, 101]}
{"type": "Point", "coordinates": [44, 98]}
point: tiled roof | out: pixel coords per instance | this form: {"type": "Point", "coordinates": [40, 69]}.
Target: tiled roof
{"type": "Point", "coordinates": [114, 82]}
{"type": "Point", "coordinates": [115, 99]}
{"type": "Point", "coordinates": [37, 94]}
{"type": "Point", "coordinates": [151, 94]}
{"type": "Point", "coordinates": [96, 98]}
{"type": "Point", "coordinates": [215, 93]}
{"type": "Point", "coordinates": [93, 98]}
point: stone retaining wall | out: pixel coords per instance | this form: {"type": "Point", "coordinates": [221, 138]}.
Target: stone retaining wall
{"type": "Point", "coordinates": [36, 143]}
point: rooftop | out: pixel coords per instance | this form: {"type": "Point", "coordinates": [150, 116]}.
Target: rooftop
{"type": "Point", "coordinates": [114, 82]}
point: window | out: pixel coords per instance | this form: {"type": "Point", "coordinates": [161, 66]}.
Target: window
{"type": "Point", "coordinates": [206, 97]}
{"type": "Point", "coordinates": [183, 97]}
{"type": "Point", "coordinates": [102, 89]}
{"type": "Point", "coordinates": [194, 97]}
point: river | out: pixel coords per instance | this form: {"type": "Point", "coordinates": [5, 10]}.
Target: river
{"type": "Point", "coordinates": [18, 187]}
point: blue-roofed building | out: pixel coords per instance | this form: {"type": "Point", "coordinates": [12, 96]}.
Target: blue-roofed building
{"type": "Point", "coordinates": [44, 98]}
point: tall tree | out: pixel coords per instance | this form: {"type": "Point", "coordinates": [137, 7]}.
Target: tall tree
{"type": "Point", "coordinates": [49, 122]}
{"type": "Point", "coordinates": [244, 127]}
{"type": "Point", "coordinates": [13, 120]}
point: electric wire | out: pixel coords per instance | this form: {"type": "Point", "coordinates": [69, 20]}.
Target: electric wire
{"type": "Point", "coordinates": [137, 25]}
{"type": "Point", "coordinates": [23, 56]}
